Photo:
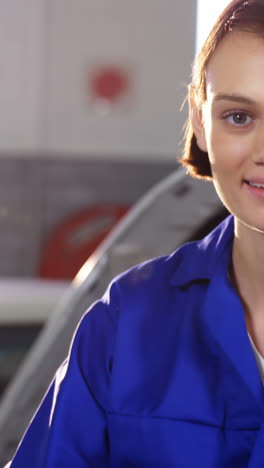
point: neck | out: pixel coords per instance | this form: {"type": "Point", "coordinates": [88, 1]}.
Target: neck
{"type": "Point", "coordinates": [248, 272]}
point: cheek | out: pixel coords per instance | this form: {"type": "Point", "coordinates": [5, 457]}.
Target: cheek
{"type": "Point", "coordinates": [226, 151]}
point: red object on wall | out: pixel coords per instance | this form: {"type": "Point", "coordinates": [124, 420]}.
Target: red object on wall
{"type": "Point", "coordinates": [72, 242]}
{"type": "Point", "coordinates": [109, 83]}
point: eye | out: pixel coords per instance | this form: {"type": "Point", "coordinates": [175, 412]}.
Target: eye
{"type": "Point", "coordinates": [238, 118]}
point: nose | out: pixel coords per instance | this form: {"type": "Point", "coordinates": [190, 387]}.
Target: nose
{"type": "Point", "coordinates": [258, 160]}
{"type": "Point", "coordinates": [258, 148]}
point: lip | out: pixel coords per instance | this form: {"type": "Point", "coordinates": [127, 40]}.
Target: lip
{"type": "Point", "coordinates": [255, 180]}
{"type": "Point", "coordinates": [255, 191]}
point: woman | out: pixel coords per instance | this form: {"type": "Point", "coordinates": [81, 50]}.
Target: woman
{"type": "Point", "coordinates": [166, 370]}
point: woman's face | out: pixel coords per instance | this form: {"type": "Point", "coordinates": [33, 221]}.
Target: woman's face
{"type": "Point", "coordinates": [230, 126]}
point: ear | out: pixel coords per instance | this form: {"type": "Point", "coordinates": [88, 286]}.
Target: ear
{"type": "Point", "coordinates": [196, 118]}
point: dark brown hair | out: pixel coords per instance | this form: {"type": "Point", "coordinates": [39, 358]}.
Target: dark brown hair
{"type": "Point", "coordinates": [247, 16]}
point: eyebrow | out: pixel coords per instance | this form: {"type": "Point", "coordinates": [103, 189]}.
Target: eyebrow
{"type": "Point", "coordinates": [234, 98]}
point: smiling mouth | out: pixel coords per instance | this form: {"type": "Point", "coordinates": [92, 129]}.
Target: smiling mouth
{"type": "Point", "coordinates": [255, 184]}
